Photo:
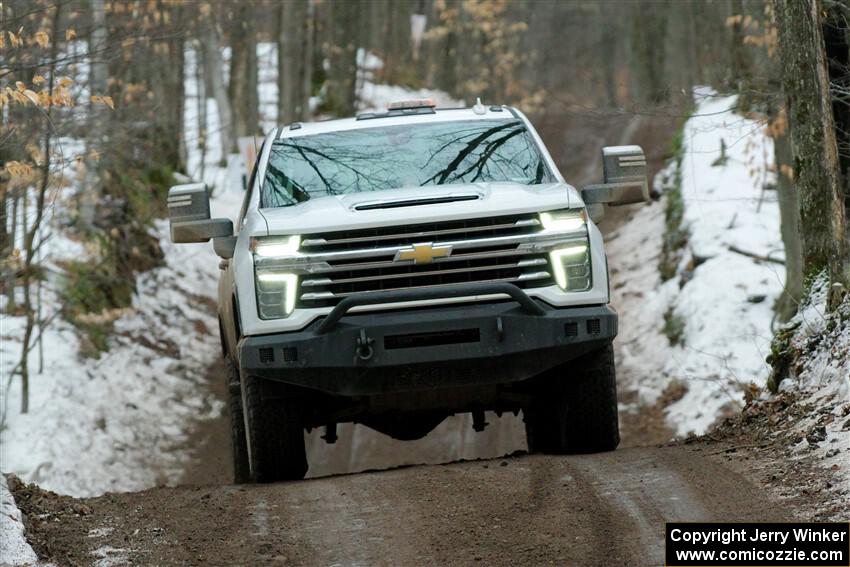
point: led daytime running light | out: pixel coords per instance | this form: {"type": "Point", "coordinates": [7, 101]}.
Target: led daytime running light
{"type": "Point", "coordinates": [557, 258]}
{"type": "Point", "coordinates": [290, 284]}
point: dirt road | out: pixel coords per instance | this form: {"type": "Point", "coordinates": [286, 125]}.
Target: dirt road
{"type": "Point", "coordinates": [527, 510]}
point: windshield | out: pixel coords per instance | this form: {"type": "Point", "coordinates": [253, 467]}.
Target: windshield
{"type": "Point", "coordinates": [393, 157]}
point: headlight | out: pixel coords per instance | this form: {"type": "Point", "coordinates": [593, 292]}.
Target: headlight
{"type": "Point", "coordinates": [571, 261]}
{"type": "Point", "coordinates": [276, 290]}
{"type": "Point", "coordinates": [563, 221]}
{"type": "Point", "coordinates": [271, 246]}
{"type": "Point", "coordinates": [571, 267]}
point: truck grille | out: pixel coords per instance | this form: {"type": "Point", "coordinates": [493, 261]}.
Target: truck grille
{"type": "Point", "coordinates": [485, 250]}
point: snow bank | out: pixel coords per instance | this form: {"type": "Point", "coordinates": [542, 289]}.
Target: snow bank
{"type": "Point", "coordinates": [122, 421]}
{"type": "Point", "coordinates": [14, 549]}
{"type": "Point", "coordinates": [114, 423]}
{"type": "Point", "coordinates": [820, 379]}
{"type": "Point", "coordinates": [720, 300]}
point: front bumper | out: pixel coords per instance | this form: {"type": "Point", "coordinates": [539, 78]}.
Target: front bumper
{"type": "Point", "coordinates": [425, 349]}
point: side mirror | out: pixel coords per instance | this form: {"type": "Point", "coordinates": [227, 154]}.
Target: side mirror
{"type": "Point", "coordinates": [189, 215]}
{"type": "Point", "coordinates": [624, 169]}
{"type": "Point", "coordinates": [224, 246]}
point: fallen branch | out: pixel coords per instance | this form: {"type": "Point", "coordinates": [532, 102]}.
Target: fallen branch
{"type": "Point", "coordinates": [756, 256]}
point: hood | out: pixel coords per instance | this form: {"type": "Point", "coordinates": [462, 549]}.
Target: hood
{"type": "Point", "coordinates": [418, 204]}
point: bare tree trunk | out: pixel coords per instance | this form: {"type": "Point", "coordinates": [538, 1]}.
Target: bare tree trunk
{"type": "Point", "coordinates": [177, 62]}
{"type": "Point", "coordinates": [11, 300]}
{"type": "Point", "coordinates": [647, 39]}
{"type": "Point", "coordinates": [789, 212]}
{"type": "Point", "coordinates": [695, 66]}
{"type": "Point", "coordinates": [7, 243]}
{"type": "Point", "coordinates": [307, 58]}
{"type": "Point", "coordinates": [214, 74]}
{"type": "Point", "coordinates": [242, 89]}
{"type": "Point", "coordinates": [178, 66]}
{"type": "Point", "coordinates": [739, 70]}
{"type": "Point", "coordinates": [342, 78]}
{"type": "Point", "coordinates": [816, 165]}
{"type": "Point", "coordinates": [38, 314]}
{"type": "Point", "coordinates": [837, 39]}
{"type": "Point", "coordinates": [201, 89]}
{"type": "Point", "coordinates": [99, 69]}
{"type": "Point", "coordinates": [608, 50]}
{"type": "Point", "coordinates": [287, 84]}
{"type": "Point", "coordinates": [32, 233]}
{"type": "Point", "coordinates": [168, 85]}
{"type": "Point", "coordinates": [99, 74]}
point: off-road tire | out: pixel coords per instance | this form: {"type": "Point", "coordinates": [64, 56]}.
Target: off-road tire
{"type": "Point", "coordinates": [238, 443]}
{"type": "Point", "coordinates": [275, 431]}
{"type": "Point", "coordinates": [574, 407]}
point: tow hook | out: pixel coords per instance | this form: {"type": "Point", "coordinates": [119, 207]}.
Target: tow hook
{"type": "Point", "coordinates": [364, 348]}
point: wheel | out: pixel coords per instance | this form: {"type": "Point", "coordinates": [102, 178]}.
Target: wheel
{"type": "Point", "coordinates": [238, 444]}
{"type": "Point", "coordinates": [275, 431]}
{"type": "Point", "coordinates": [574, 408]}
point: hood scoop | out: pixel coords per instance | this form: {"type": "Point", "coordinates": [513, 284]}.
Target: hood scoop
{"type": "Point", "coordinates": [416, 201]}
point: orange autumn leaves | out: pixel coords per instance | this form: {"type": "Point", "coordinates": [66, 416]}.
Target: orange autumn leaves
{"type": "Point", "coordinates": [40, 93]}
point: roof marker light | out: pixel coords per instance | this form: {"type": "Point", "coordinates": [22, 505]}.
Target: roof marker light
{"type": "Point", "coordinates": [415, 103]}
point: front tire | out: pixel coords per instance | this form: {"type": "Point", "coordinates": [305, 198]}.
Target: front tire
{"type": "Point", "coordinates": [574, 407]}
{"type": "Point", "coordinates": [238, 444]}
{"type": "Point", "coordinates": [275, 431]}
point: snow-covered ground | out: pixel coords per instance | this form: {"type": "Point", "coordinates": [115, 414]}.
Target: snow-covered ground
{"type": "Point", "coordinates": [820, 379]}
{"type": "Point", "coordinates": [113, 423]}
{"type": "Point", "coordinates": [121, 421]}
{"type": "Point", "coordinates": [14, 549]}
{"type": "Point", "coordinates": [722, 300]}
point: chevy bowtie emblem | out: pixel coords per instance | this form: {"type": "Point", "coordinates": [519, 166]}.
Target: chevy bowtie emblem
{"type": "Point", "coordinates": [422, 253]}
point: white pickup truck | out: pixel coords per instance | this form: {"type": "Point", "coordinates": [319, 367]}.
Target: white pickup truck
{"type": "Point", "coordinates": [396, 268]}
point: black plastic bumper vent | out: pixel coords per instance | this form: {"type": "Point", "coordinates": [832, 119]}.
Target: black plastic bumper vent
{"type": "Point", "coordinates": [266, 355]}
{"type": "Point", "coordinates": [593, 326]}
{"type": "Point", "coordinates": [571, 329]}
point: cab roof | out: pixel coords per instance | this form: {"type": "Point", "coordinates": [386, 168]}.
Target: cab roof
{"type": "Point", "coordinates": [394, 117]}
